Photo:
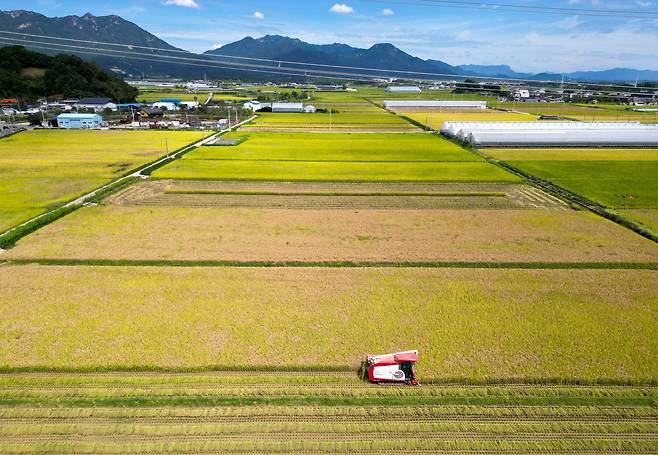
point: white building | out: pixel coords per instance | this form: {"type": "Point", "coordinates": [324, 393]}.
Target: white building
{"type": "Point", "coordinates": [79, 121]}
{"type": "Point", "coordinates": [403, 89]}
{"type": "Point", "coordinates": [287, 107]}
{"type": "Point", "coordinates": [309, 109]}
{"type": "Point", "coordinates": [521, 94]}
{"type": "Point", "coordinates": [253, 106]}
{"type": "Point", "coordinates": [97, 104]}
{"type": "Point", "coordinates": [190, 104]}
{"type": "Point", "coordinates": [165, 105]}
{"type": "Point", "coordinates": [452, 104]}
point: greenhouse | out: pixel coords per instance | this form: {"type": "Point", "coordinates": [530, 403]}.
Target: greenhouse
{"type": "Point", "coordinates": [553, 134]}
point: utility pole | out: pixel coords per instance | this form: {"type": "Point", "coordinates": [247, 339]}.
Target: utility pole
{"type": "Point", "coordinates": [330, 125]}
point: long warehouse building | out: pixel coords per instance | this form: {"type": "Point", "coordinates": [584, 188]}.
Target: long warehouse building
{"type": "Point", "coordinates": [553, 134]}
{"type": "Point", "coordinates": [429, 104]}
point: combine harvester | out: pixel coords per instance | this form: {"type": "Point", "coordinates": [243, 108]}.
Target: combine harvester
{"type": "Point", "coordinates": [392, 368]}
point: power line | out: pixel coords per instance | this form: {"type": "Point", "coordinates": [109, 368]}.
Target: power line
{"type": "Point", "coordinates": [167, 59]}
{"type": "Point", "coordinates": [493, 7]}
{"type": "Point", "coordinates": [306, 67]}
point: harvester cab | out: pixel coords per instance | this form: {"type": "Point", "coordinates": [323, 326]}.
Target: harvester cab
{"type": "Point", "coordinates": [397, 367]}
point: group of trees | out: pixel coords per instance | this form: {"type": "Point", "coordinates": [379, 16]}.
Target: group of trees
{"type": "Point", "coordinates": [30, 75]}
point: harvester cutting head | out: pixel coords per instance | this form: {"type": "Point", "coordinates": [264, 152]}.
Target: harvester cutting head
{"type": "Point", "coordinates": [391, 368]}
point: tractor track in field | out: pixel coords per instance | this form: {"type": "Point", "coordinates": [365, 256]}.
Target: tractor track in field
{"type": "Point", "coordinates": [294, 436]}
{"type": "Point", "coordinates": [365, 420]}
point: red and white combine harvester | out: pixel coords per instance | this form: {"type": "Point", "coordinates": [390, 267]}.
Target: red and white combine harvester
{"type": "Point", "coordinates": [393, 368]}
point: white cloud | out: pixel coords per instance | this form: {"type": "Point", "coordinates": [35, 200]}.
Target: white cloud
{"type": "Point", "coordinates": [185, 3]}
{"type": "Point", "coordinates": [341, 8]}
{"type": "Point", "coordinates": [258, 15]}
{"type": "Point", "coordinates": [387, 12]}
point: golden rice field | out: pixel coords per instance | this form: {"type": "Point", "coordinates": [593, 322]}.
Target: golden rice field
{"type": "Point", "coordinates": [476, 323]}
{"type": "Point", "coordinates": [434, 118]}
{"type": "Point", "coordinates": [44, 168]}
{"type": "Point", "coordinates": [181, 233]}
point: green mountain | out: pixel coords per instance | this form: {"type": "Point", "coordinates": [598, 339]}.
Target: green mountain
{"type": "Point", "coordinates": [30, 75]}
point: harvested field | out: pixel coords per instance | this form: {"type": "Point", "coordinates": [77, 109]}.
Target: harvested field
{"type": "Point", "coordinates": [477, 323]}
{"type": "Point", "coordinates": [316, 235]}
{"type": "Point", "coordinates": [254, 411]}
{"type": "Point", "coordinates": [305, 195]}
{"type": "Point", "coordinates": [44, 168]}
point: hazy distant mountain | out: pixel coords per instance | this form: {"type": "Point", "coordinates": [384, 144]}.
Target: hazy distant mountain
{"type": "Point", "coordinates": [114, 29]}
{"type": "Point", "coordinates": [379, 56]}
{"type": "Point", "coordinates": [493, 71]}
{"type": "Point", "coordinates": [612, 75]}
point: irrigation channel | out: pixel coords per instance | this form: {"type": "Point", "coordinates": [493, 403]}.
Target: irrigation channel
{"type": "Point", "coordinates": [315, 412]}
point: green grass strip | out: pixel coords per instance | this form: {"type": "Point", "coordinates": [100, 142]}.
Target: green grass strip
{"type": "Point", "coordinates": [336, 193]}
{"type": "Point", "coordinates": [339, 264]}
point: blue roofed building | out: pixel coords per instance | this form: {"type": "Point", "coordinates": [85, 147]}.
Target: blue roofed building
{"type": "Point", "coordinates": [79, 121]}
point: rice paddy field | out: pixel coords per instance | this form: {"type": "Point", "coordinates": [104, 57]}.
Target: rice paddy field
{"type": "Point", "coordinates": [378, 121]}
{"type": "Point", "coordinates": [570, 324]}
{"type": "Point", "coordinates": [624, 179]}
{"type": "Point", "coordinates": [324, 412]}
{"type": "Point", "coordinates": [225, 303]}
{"type": "Point", "coordinates": [588, 113]}
{"type": "Point", "coordinates": [310, 235]}
{"type": "Point", "coordinates": [321, 157]}
{"type": "Point", "coordinates": [44, 168]}
{"type": "Point", "coordinates": [434, 118]}
{"type": "Point", "coordinates": [201, 97]}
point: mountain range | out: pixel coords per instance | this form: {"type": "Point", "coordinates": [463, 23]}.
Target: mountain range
{"type": "Point", "coordinates": [116, 30]}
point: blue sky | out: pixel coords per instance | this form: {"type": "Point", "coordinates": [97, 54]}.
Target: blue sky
{"type": "Point", "coordinates": [481, 35]}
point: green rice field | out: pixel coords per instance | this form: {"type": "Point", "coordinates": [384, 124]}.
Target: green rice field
{"type": "Point", "coordinates": [338, 147]}
{"type": "Point", "coordinates": [619, 178]}
{"type": "Point", "coordinates": [335, 157]}
{"type": "Point", "coordinates": [374, 120]}
{"type": "Point", "coordinates": [340, 171]}
{"type": "Point", "coordinates": [44, 168]}
{"type": "Point", "coordinates": [588, 113]}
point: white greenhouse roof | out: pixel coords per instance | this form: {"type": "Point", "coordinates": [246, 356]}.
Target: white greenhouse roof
{"type": "Point", "coordinates": [403, 88]}
{"type": "Point", "coordinates": [553, 134]}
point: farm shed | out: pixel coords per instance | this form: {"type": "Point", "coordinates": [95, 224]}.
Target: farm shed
{"type": "Point", "coordinates": [287, 107]}
{"type": "Point", "coordinates": [403, 89]}
{"type": "Point", "coordinates": [392, 104]}
{"type": "Point", "coordinates": [309, 109]}
{"type": "Point", "coordinates": [79, 121]}
{"type": "Point", "coordinates": [97, 104]}
{"type": "Point", "coordinates": [553, 134]}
